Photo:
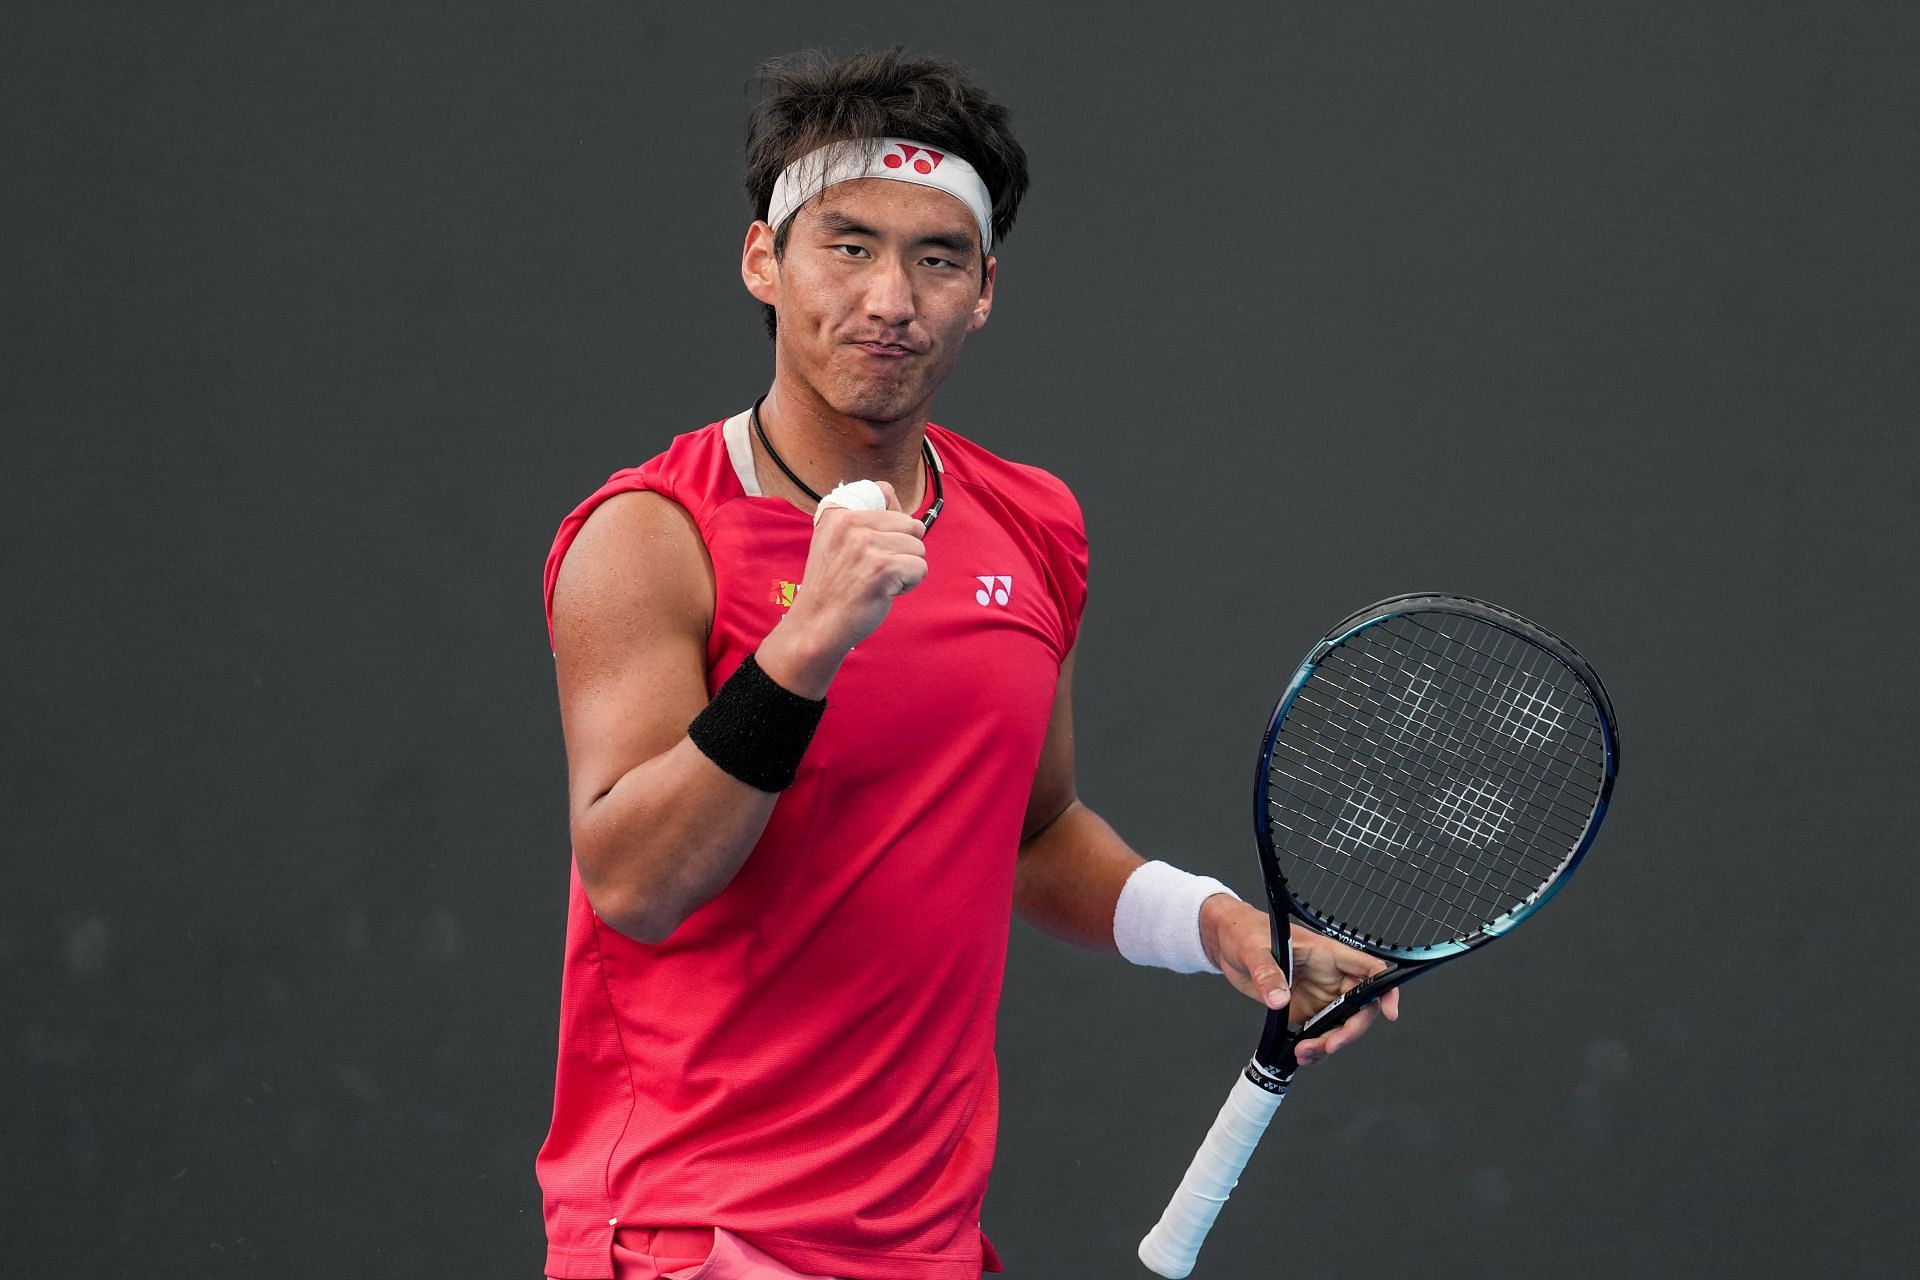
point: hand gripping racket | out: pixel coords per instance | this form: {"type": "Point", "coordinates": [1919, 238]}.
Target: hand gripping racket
{"type": "Point", "coordinates": [1433, 773]}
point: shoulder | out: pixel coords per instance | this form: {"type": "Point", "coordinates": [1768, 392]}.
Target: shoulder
{"type": "Point", "coordinates": [1037, 493]}
{"type": "Point", "coordinates": [695, 470]}
{"type": "Point", "coordinates": [637, 565]}
{"type": "Point", "coordinates": [651, 514]}
{"type": "Point", "coordinates": [634, 519]}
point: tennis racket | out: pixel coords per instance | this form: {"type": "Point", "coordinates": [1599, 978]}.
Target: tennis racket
{"type": "Point", "coordinates": [1432, 775]}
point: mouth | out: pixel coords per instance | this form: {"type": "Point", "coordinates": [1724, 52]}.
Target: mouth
{"type": "Point", "coordinates": [885, 350]}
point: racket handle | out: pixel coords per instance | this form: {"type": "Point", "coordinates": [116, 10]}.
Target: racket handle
{"type": "Point", "coordinates": [1170, 1248]}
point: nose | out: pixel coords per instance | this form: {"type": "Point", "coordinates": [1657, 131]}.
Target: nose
{"type": "Point", "coordinates": [889, 292]}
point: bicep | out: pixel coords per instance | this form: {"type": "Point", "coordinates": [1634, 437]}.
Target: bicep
{"type": "Point", "coordinates": [631, 609]}
{"type": "Point", "coordinates": [1072, 864]}
{"type": "Point", "coordinates": [1053, 787]}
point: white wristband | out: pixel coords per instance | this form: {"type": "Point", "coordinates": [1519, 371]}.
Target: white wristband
{"type": "Point", "coordinates": [1157, 920]}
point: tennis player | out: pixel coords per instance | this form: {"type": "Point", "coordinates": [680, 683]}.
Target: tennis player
{"type": "Point", "coordinates": [820, 746]}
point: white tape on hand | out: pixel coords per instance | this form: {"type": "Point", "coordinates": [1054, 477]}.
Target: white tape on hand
{"type": "Point", "coordinates": [855, 495]}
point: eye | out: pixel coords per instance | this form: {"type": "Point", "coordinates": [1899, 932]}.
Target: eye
{"type": "Point", "coordinates": [847, 250]}
{"type": "Point", "coordinates": [940, 262]}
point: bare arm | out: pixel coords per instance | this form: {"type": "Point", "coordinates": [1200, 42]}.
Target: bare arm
{"type": "Point", "coordinates": [658, 828]}
{"type": "Point", "coordinates": [1073, 867]}
{"type": "Point", "coordinates": [1072, 864]}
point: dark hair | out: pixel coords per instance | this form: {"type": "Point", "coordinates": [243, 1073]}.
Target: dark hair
{"type": "Point", "coordinates": [813, 99]}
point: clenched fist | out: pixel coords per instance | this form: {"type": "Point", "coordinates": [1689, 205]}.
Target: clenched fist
{"type": "Point", "coordinates": [858, 562]}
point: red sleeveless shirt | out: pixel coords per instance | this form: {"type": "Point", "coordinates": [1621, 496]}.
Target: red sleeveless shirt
{"type": "Point", "coordinates": [808, 1060]}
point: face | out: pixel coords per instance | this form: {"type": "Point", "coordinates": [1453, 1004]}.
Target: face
{"type": "Point", "coordinates": [878, 288]}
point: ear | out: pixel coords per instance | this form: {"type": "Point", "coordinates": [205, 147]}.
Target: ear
{"type": "Point", "coordinates": [759, 269]}
{"type": "Point", "coordinates": [984, 307]}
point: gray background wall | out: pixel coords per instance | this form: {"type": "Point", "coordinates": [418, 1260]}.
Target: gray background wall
{"type": "Point", "coordinates": [319, 316]}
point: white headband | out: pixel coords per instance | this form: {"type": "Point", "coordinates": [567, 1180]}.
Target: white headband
{"type": "Point", "coordinates": [894, 158]}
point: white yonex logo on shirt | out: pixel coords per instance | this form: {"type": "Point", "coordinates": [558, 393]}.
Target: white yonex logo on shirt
{"type": "Point", "coordinates": [995, 588]}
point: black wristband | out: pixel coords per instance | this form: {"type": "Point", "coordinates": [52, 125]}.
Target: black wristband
{"type": "Point", "coordinates": [756, 730]}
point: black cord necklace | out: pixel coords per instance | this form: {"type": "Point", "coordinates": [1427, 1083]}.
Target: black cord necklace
{"type": "Point", "coordinates": [926, 451]}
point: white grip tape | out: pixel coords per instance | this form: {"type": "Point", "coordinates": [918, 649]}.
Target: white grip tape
{"type": "Point", "coordinates": [855, 495]}
{"type": "Point", "coordinates": [1170, 1248]}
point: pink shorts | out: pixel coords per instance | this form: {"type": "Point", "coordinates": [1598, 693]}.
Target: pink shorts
{"type": "Point", "coordinates": [693, 1253]}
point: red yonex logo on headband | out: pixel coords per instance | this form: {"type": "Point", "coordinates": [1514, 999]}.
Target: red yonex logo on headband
{"type": "Point", "coordinates": [923, 159]}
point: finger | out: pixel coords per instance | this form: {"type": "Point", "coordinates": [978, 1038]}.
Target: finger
{"type": "Point", "coordinates": [909, 572]}
{"type": "Point", "coordinates": [1239, 979]}
{"type": "Point", "coordinates": [1390, 1005]}
{"type": "Point", "coordinates": [1311, 1051]}
{"type": "Point", "coordinates": [1341, 1036]}
{"type": "Point", "coordinates": [1354, 964]}
{"type": "Point", "coordinates": [1269, 984]}
{"type": "Point", "coordinates": [891, 542]}
{"type": "Point", "coordinates": [1312, 952]}
{"type": "Point", "coordinates": [1350, 1030]}
{"type": "Point", "coordinates": [890, 522]}
{"type": "Point", "coordinates": [893, 499]}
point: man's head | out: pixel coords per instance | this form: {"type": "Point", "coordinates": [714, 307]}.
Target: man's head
{"type": "Point", "coordinates": [898, 267]}
{"type": "Point", "coordinates": [813, 100]}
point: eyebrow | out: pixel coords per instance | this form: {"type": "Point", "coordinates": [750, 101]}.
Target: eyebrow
{"type": "Point", "coordinates": [839, 224]}
{"type": "Point", "coordinates": [952, 244]}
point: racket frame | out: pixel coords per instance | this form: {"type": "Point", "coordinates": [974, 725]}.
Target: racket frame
{"type": "Point", "coordinates": [1173, 1244]}
{"type": "Point", "coordinates": [1273, 1063]}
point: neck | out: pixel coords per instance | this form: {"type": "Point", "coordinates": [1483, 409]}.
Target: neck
{"type": "Point", "coordinates": [824, 448]}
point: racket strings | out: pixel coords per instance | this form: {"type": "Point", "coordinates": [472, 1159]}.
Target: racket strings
{"type": "Point", "coordinates": [1431, 754]}
{"type": "Point", "coordinates": [1519, 708]}
{"type": "Point", "coordinates": [1433, 775]}
{"type": "Point", "coordinates": [1469, 813]}
{"type": "Point", "coordinates": [1469, 808]}
{"type": "Point", "coordinates": [1378, 855]}
{"type": "Point", "coordinates": [1368, 701]}
{"type": "Point", "coordinates": [1465, 807]}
